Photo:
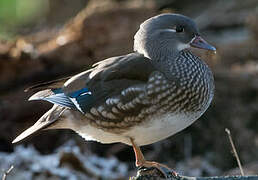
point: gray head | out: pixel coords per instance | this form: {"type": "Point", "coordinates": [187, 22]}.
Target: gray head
{"type": "Point", "coordinates": [168, 34]}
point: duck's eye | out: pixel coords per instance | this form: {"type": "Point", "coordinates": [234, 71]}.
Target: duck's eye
{"type": "Point", "coordinates": [179, 29]}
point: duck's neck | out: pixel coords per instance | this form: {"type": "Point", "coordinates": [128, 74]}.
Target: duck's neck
{"type": "Point", "coordinates": [160, 52]}
{"type": "Point", "coordinates": [162, 58]}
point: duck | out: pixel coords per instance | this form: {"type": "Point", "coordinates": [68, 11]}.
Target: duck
{"type": "Point", "coordinates": [138, 98]}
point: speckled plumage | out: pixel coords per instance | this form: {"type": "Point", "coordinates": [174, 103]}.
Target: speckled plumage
{"type": "Point", "coordinates": [190, 91]}
{"type": "Point", "coordinates": [147, 95]}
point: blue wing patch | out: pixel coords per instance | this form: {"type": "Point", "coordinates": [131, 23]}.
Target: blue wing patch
{"type": "Point", "coordinates": [82, 99]}
{"type": "Point", "coordinates": [60, 98]}
{"type": "Point", "coordinates": [78, 93]}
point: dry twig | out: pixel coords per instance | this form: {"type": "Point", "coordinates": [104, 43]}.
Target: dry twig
{"type": "Point", "coordinates": [234, 151]}
{"type": "Point", "coordinates": [7, 172]}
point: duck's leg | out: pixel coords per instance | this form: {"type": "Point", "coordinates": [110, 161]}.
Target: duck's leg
{"type": "Point", "coordinates": [141, 162]}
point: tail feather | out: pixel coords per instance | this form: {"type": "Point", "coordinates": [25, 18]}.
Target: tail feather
{"type": "Point", "coordinates": [41, 95]}
{"type": "Point", "coordinates": [55, 96]}
{"type": "Point", "coordinates": [46, 120]}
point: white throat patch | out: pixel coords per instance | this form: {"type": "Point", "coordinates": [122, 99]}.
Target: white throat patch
{"type": "Point", "coordinates": [182, 46]}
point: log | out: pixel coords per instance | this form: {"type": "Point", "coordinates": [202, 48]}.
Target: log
{"type": "Point", "coordinates": [154, 174]}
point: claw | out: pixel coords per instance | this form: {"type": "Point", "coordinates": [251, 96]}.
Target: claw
{"type": "Point", "coordinates": [167, 173]}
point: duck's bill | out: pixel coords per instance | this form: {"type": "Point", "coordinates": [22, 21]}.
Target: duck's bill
{"type": "Point", "coordinates": [199, 42]}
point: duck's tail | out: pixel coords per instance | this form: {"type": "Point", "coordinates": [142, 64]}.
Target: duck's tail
{"type": "Point", "coordinates": [44, 122]}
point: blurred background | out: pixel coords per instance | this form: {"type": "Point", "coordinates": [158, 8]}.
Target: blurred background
{"type": "Point", "coordinates": [47, 39]}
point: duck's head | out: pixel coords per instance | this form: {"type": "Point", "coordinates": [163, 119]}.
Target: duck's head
{"type": "Point", "coordinates": [168, 33]}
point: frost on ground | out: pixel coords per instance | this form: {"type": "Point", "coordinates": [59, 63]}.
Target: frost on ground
{"type": "Point", "coordinates": [67, 163]}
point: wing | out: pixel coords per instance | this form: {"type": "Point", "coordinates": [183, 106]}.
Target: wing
{"type": "Point", "coordinates": [112, 83]}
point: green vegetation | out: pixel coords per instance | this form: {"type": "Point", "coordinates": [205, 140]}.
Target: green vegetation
{"type": "Point", "coordinates": [16, 13]}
